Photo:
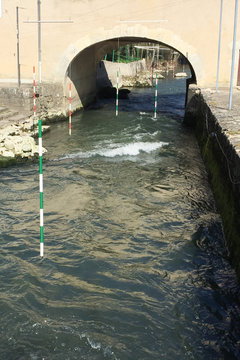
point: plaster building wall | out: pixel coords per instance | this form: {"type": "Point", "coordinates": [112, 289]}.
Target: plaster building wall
{"type": "Point", "coordinates": [190, 26]}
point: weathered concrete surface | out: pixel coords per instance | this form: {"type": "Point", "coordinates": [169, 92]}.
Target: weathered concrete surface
{"type": "Point", "coordinates": [134, 74]}
{"type": "Point", "coordinates": [218, 133]}
{"type": "Point", "coordinates": [19, 100]}
{"type": "Point", "coordinates": [52, 99]}
{"type": "Point", "coordinates": [107, 72]}
{"type": "Point", "coordinates": [18, 129]}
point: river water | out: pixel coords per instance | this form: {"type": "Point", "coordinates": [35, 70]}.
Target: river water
{"type": "Point", "coordinates": [135, 262]}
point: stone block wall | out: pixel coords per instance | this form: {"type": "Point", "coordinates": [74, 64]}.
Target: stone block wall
{"type": "Point", "coordinates": [223, 165]}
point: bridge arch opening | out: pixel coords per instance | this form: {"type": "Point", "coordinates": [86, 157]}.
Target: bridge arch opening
{"type": "Point", "coordinates": [82, 68]}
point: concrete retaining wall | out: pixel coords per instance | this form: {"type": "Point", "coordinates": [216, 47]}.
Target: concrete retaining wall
{"type": "Point", "coordinates": [50, 98]}
{"type": "Point", "coordinates": [55, 96]}
{"type": "Point", "coordinates": [223, 164]}
{"type": "Point", "coordinates": [107, 72]}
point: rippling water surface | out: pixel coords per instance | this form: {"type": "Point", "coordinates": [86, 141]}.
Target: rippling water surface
{"type": "Point", "coordinates": [135, 264]}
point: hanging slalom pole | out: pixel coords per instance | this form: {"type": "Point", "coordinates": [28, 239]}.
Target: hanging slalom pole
{"type": "Point", "coordinates": [34, 97]}
{"type": "Point", "coordinates": [70, 110]}
{"type": "Point", "coordinates": [40, 186]}
{"type": "Point", "coordinates": [117, 80]}
{"type": "Point", "coordinates": [117, 94]}
{"type": "Point", "coordinates": [156, 93]}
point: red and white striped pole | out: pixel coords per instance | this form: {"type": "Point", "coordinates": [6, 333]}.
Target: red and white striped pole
{"type": "Point", "coordinates": [34, 97]}
{"type": "Point", "coordinates": [70, 109]}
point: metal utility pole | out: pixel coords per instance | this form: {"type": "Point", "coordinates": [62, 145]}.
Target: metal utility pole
{"type": "Point", "coordinates": [233, 53]}
{"type": "Point", "coordinates": [18, 64]}
{"type": "Point", "coordinates": [18, 56]}
{"type": "Point", "coordinates": [39, 42]}
{"type": "Point", "coordinates": [219, 44]}
{"type": "Point", "coordinates": [39, 22]}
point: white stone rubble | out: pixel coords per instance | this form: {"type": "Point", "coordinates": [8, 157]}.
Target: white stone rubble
{"type": "Point", "coordinates": [18, 139]}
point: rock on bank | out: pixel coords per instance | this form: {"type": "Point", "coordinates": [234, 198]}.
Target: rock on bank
{"type": "Point", "coordinates": [17, 141]}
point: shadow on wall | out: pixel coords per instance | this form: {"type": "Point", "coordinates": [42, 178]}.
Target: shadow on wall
{"type": "Point", "coordinates": [87, 77]}
{"type": "Point", "coordinates": [106, 82]}
{"type": "Point", "coordinates": [82, 72]}
{"type": "Point", "coordinates": [102, 79]}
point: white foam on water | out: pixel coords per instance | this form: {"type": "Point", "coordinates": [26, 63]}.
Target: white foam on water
{"type": "Point", "coordinates": [132, 149]}
{"type": "Point", "coordinates": [94, 345]}
{"type": "Point", "coordinates": [107, 351]}
{"type": "Point", "coordinates": [139, 136]}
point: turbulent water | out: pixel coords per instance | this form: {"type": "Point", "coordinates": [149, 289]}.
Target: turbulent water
{"type": "Point", "coordinates": [135, 262]}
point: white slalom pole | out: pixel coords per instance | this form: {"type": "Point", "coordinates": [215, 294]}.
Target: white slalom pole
{"type": "Point", "coordinates": [156, 93]}
{"type": "Point", "coordinates": [117, 94]}
{"type": "Point", "coordinates": [70, 110]}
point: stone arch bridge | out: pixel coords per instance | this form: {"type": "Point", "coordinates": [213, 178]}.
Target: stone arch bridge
{"type": "Point", "coordinates": [77, 34]}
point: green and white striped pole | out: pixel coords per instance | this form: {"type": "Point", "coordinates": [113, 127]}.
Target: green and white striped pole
{"type": "Point", "coordinates": [117, 94]}
{"type": "Point", "coordinates": [40, 186]}
{"type": "Point", "coordinates": [156, 92]}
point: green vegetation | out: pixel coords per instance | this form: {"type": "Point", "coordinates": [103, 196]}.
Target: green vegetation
{"type": "Point", "coordinates": [125, 54]}
{"type": "Point", "coordinates": [150, 51]}
{"type": "Point", "coordinates": [6, 161]}
{"type": "Point", "coordinates": [233, 132]}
